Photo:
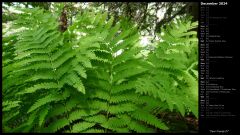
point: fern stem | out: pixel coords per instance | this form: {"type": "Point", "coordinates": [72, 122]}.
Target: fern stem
{"type": "Point", "coordinates": [190, 67]}
{"type": "Point", "coordinates": [53, 69]}
{"type": "Point", "coordinates": [110, 94]}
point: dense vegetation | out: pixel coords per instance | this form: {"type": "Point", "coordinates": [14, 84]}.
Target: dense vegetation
{"type": "Point", "coordinates": [94, 76]}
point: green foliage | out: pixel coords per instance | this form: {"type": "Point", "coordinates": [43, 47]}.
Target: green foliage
{"type": "Point", "coordinates": [172, 75]}
{"type": "Point", "coordinates": [44, 62]}
{"type": "Point", "coordinates": [92, 77]}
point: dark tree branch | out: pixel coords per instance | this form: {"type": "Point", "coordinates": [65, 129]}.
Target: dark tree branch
{"type": "Point", "coordinates": [144, 16]}
{"type": "Point", "coordinates": [63, 19]}
{"type": "Point", "coordinates": [165, 20]}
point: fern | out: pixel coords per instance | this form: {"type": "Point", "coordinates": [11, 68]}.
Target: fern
{"type": "Point", "coordinates": [150, 119]}
{"type": "Point", "coordinates": [81, 126]}
{"type": "Point", "coordinates": [96, 119]}
{"type": "Point", "coordinates": [8, 105]}
{"type": "Point", "coordinates": [46, 57]}
{"type": "Point", "coordinates": [138, 127]}
{"type": "Point", "coordinates": [92, 77]}
{"type": "Point", "coordinates": [36, 87]}
{"type": "Point", "coordinates": [42, 115]}
{"type": "Point", "coordinates": [43, 101]}
{"type": "Point", "coordinates": [169, 78]}
{"type": "Point", "coordinates": [56, 125]}
{"type": "Point", "coordinates": [111, 85]}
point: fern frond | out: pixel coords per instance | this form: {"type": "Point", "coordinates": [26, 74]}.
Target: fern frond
{"type": "Point", "coordinates": [59, 61]}
{"type": "Point", "coordinates": [139, 128]}
{"type": "Point", "coordinates": [81, 126]}
{"type": "Point", "coordinates": [126, 55]}
{"type": "Point", "coordinates": [114, 123]}
{"type": "Point", "coordinates": [113, 31]}
{"type": "Point", "coordinates": [170, 78]}
{"type": "Point", "coordinates": [123, 87]}
{"type": "Point", "coordinates": [79, 114]}
{"type": "Point", "coordinates": [95, 104]}
{"type": "Point", "coordinates": [43, 101]}
{"type": "Point", "coordinates": [8, 105]}
{"type": "Point", "coordinates": [42, 114]}
{"type": "Point", "coordinates": [122, 108]}
{"type": "Point", "coordinates": [96, 119]}
{"type": "Point", "coordinates": [101, 94]}
{"type": "Point", "coordinates": [126, 43]}
{"type": "Point", "coordinates": [128, 73]}
{"type": "Point", "coordinates": [127, 65]}
{"type": "Point", "coordinates": [74, 81]}
{"type": "Point", "coordinates": [150, 119]}
{"type": "Point", "coordinates": [42, 76]}
{"type": "Point", "coordinates": [92, 130]}
{"type": "Point", "coordinates": [56, 125]}
{"type": "Point", "coordinates": [59, 109]}
{"type": "Point", "coordinates": [49, 85]}
{"type": "Point", "coordinates": [117, 98]}
{"type": "Point", "coordinates": [27, 125]}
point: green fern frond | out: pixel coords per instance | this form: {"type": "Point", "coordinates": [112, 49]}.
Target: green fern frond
{"type": "Point", "coordinates": [59, 110]}
{"type": "Point", "coordinates": [126, 55]}
{"type": "Point", "coordinates": [170, 78]}
{"type": "Point", "coordinates": [43, 101]}
{"type": "Point", "coordinates": [117, 98]}
{"type": "Point", "coordinates": [123, 87]}
{"type": "Point", "coordinates": [8, 105]}
{"type": "Point", "coordinates": [79, 114]}
{"type": "Point", "coordinates": [96, 104]}
{"type": "Point", "coordinates": [56, 125]}
{"type": "Point", "coordinates": [96, 119]}
{"type": "Point", "coordinates": [114, 123]}
{"type": "Point", "coordinates": [149, 119]}
{"type": "Point", "coordinates": [122, 108]}
{"type": "Point", "coordinates": [91, 130]}
{"type": "Point", "coordinates": [42, 114]}
{"type": "Point", "coordinates": [128, 73]}
{"type": "Point", "coordinates": [101, 94]}
{"type": "Point", "coordinates": [48, 85]}
{"type": "Point", "coordinates": [81, 126]}
{"type": "Point", "coordinates": [73, 80]}
{"type": "Point", "coordinates": [139, 128]}
{"type": "Point", "coordinates": [41, 75]}
{"type": "Point", "coordinates": [126, 43]}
